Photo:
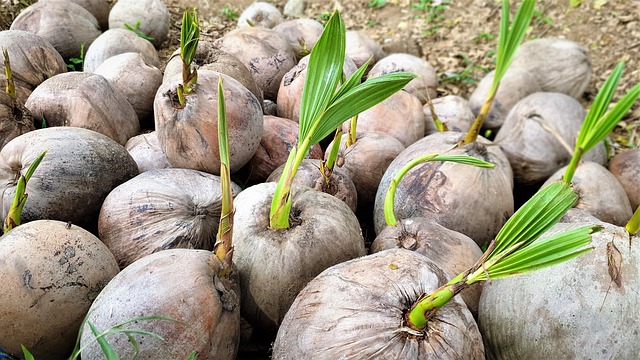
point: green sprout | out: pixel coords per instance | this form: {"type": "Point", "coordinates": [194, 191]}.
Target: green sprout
{"type": "Point", "coordinates": [14, 215]}
{"type": "Point", "coordinates": [77, 64]}
{"type": "Point", "coordinates": [189, 36]}
{"type": "Point", "coordinates": [11, 87]}
{"type": "Point", "coordinates": [136, 29]}
{"type": "Point", "coordinates": [377, 3]}
{"type": "Point", "coordinates": [229, 12]}
{"type": "Point", "coordinates": [325, 105]}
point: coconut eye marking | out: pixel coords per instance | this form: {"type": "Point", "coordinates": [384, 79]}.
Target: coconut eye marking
{"type": "Point", "coordinates": [26, 279]}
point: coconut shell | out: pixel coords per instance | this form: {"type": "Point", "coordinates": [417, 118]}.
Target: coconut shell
{"type": "Point", "coordinates": [516, 84]}
{"type": "Point", "coordinates": [181, 285]}
{"type": "Point", "coordinates": [65, 25]}
{"type": "Point", "coordinates": [15, 119]}
{"type": "Point", "coordinates": [470, 200]}
{"type": "Point", "coordinates": [145, 150]}
{"type": "Point", "coordinates": [136, 80]}
{"type": "Point", "coordinates": [161, 209]}
{"type": "Point", "coordinates": [84, 100]}
{"type": "Point", "coordinates": [539, 134]}
{"type": "Point", "coordinates": [301, 33]}
{"type": "Point", "coordinates": [360, 47]}
{"type": "Point", "coordinates": [274, 265]}
{"type": "Point", "coordinates": [51, 272]}
{"type": "Point", "coordinates": [266, 54]}
{"type": "Point", "coordinates": [355, 310]}
{"type": "Point", "coordinates": [117, 41]}
{"type": "Point", "coordinates": [189, 135]}
{"type": "Point", "coordinates": [601, 195]}
{"type": "Point", "coordinates": [279, 137]}
{"type": "Point", "coordinates": [583, 307]}
{"type": "Point", "coordinates": [568, 73]}
{"type": "Point", "coordinates": [423, 87]}
{"type": "Point", "coordinates": [625, 166]}
{"type": "Point", "coordinates": [452, 251]}
{"type": "Point", "coordinates": [152, 15]}
{"type": "Point", "coordinates": [308, 174]}
{"type": "Point", "coordinates": [452, 110]}
{"type": "Point", "coordinates": [80, 168]}
{"type": "Point", "coordinates": [98, 8]}
{"type": "Point", "coordinates": [260, 14]}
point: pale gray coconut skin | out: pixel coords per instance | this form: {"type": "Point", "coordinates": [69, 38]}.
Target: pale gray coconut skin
{"type": "Point", "coordinates": [117, 41]}
{"type": "Point", "coordinates": [360, 47]}
{"type": "Point", "coordinates": [261, 14]}
{"type": "Point", "coordinates": [153, 15]}
{"type": "Point", "coordinates": [452, 110]}
{"type": "Point", "coordinates": [98, 8]}
{"type": "Point", "coordinates": [539, 134]}
{"type": "Point", "coordinates": [274, 265]}
{"type": "Point", "coordinates": [423, 87]}
{"type": "Point", "coordinates": [355, 310]}
{"type": "Point", "coordinates": [301, 33]}
{"type": "Point", "coordinates": [447, 192]}
{"type": "Point", "coordinates": [585, 308]}
{"type": "Point", "coordinates": [601, 194]}
{"type": "Point", "coordinates": [145, 150]}
{"type": "Point", "coordinates": [179, 284]}
{"type": "Point", "coordinates": [51, 272]}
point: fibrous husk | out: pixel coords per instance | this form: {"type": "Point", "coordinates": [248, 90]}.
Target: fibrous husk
{"type": "Point", "coordinates": [559, 65]}
{"type": "Point", "coordinates": [145, 150]}
{"type": "Point", "coordinates": [355, 310]}
{"type": "Point", "coordinates": [274, 265]}
{"type": "Point", "coordinates": [201, 309]}
{"type": "Point", "coordinates": [452, 110]}
{"type": "Point", "coordinates": [280, 135]}
{"type": "Point", "coordinates": [85, 100]}
{"type": "Point", "coordinates": [360, 47]}
{"type": "Point", "coordinates": [98, 8]}
{"type": "Point", "coordinates": [423, 87]}
{"type": "Point", "coordinates": [515, 85]}
{"type": "Point", "coordinates": [189, 135]}
{"type": "Point", "coordinates": [260, 14]}
{"type": "Point", "coordinates": [152, 15]}
{"type": "Point", "coordinates": [266, 54]}
{"type": "Point", "coordinates": [301, 33]}
{"type": "Point", "coordinates": [308, 174]}
{"type": "Point", "coordinates": [625, 166]}
{"type": "Point", "coordinates": [210, 57]}
{"type": "Point", "coordinates": [450, 250]}
{"type": "Point", "coordinates": [471, 200]}
{"type": "Point", "coordinates": [539, 135]}
{"type": "Point", "coordinates": [573, 310]}
{"type": "Point", "coordinates": [136, 80]}
{"type": "Point", "coordinates": [117, 41]}
{"type": "Point", "coordinates": [66, 25]}
{"type": "Point", "coordinates": [80, 168]}
{"type": "Point", "coordinates": [400, 116]}
{"type": "Point", "coordinates": [601, 195]}
{"type": "Point", "coordinates": [15, 119]}
{"type": "Point", "coordinates": [50, 271]}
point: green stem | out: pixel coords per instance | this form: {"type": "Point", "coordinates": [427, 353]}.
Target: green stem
{"type": "Point", "coordinates": [180, 92]}
{"type": "Point", "coordinates": [351, 139]}
{"type": "Point", "coordinates": [633, 226]}
{"type": "Point", "coordinates": [418, 316]}
{"type": "Point", "coordinates": [474, 131]}
{"type": "Point", "coordinates": [14, 214]}
{"type": "Point", "coordinates": [327, 166]}
{"type": "Point", "coordinates": [440, 126]}
{"type": "Point", "coordinates": [573, 165]}
{"type": "Point", "coordinates": [11, 88]}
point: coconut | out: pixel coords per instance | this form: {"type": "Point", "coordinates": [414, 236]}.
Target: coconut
{"type": "Point", "coordinates": [98, 8]}
{"type": "Point", "coordinates": [451, 110]}
{"type": "Point", "coordinates": [360, 48]}
{"type": "Point", "coordinates": [145, 150]}
{"type": "Point", "coordinates": [625, 166]}
{"type": "Point", "coordinates": [301, 33]}
{"type": "Point", "coordinates": [149, 17]}
{"type": "Point", "coordinates": [423, 87]}
{"type": "Point", "coordinates": [260, 14]}
{"type": "Point", "coordinates": [15, 119]}
{"type": "Point", "coordinates": [117, 41]}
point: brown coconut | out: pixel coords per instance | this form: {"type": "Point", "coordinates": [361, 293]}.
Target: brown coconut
{"type": "Point", "coordinates": [360, 47]}
{"type": "Point", "coordinates": [625, 166]}
{"type": "Point", "coordinates": [64, 24]}
{"type": "Point", "coordinates": [152, 15]}
{"type": "Point", "coordinates": [301, 33]}
{"type": "Point", "coordinates": [159, 210]}
{"type": "Point", "coordinates": [260, 14]}
{"type": "Point", "coordinates": [80, 168]}
{"type": "Point", "coordinates": [452, 110]}
{"type": "Point", "coordinates": [266, 54]}
{"type": "Point", "coordinates": [355, 310]}
{"type": "Point", "coordinates": [85, 100]}
{"type": "Point", "coordinates": [98, 8]}
{"type": "Point", "coordinates": [51, 272]}
{"type": "Point", "coordinates": [145, 150]}
{"type": "Point", "coordinates": [423, 87]}
{"type": "Point", "coordinates": [15, 119]}
{"type": "Point", "coordinates": [117, 41]}
{"type": "Point", "coordinates": [189, 135]}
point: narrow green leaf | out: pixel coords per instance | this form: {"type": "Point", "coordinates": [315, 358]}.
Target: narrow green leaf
{"type": "Point", "coordinates": [107, 350]}
{"type": "Point", "coordinates": [192, 356]}
{"type": "Point", "coordinates": [352, 81]}
{"type": "Point", "coordinates": [26, 353]}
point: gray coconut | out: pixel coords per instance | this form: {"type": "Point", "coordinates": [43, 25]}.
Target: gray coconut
{"type": "Point", "coordinates": [360, 47]}
{"type": "Point", "coordinates": [625, 166]}
{"type": "Point", "coordinates": [423, 87]}
{"type": "Point", "coordinates": [452, 110]}
{"type": "Point", "coordinates": [584, 308]}
{"type": "Point", "coordinates": [355, 310]}
{"type": "Point", "coordinates": [516, 84]}
{"type": "Point", "coordinates": [117, 41]}
{"type": "Point", "coordinates": [145, 150]}
{"type": "Point", "coordinates": [85, 100]}
{"type": "Point", "coordinates": [182, 285]}
{"type": "Point", "coordinates": [15, 119]}
{"type": "Point", "coordinates": [266, 54]}
{"type": "Point", "coordinates": [136, 80]}
{"type": "Point", "coordinates": [51, 272]}
{"type": "Point", "coordinates": [64, 24]}
{"type": "Point", "coordinates": [601, 194]}
{"type": "Point", "coordinates": [81, 167]}
{"type": "Point", "coordinates": [159, 210]}
{"type": "Point", "coordinates": [260, 14]}
{"type": "Point", "coordinates": [539, 134]}
{"type": "Point", "coordinates": [98, 8]}
{"type": "Point", "coordinates": [301, 33]}
{"type": "Point", "coordinates": [152, 15]}
{"type": "Point", "coordinates": [568, 73]}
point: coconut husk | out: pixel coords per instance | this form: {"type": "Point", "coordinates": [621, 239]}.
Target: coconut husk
{"type": "Point", "coordinates": [145, 150]}
{"type": "Point", "coordinates": [451, 110]}
{"type": "Point", "coordinates": [423, 87]}
{"type": "Point", "coordinates": [152, 15]}
{"type": "Point", "coordinates": [117, 41]}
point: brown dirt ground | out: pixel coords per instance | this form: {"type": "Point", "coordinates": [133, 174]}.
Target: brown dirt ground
{"type": "Point", "coordinates": [458, 37]}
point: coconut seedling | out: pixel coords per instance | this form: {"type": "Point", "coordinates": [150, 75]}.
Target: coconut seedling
{"type": "Point", "coordinates": [197, 289]}
{"type": "Point", "coordinates": [289, 234]}
{"type": "Point", "coordinates": [442, 191]}
{"type": "Point", "coordinates": [15, 119]}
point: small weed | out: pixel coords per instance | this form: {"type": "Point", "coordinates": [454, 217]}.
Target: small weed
{"type": "Point", "coordinates": [136, 29]}
{"type": "Point", "coordinates": [540, 19]}
{"type": "Point", "coordinates": [467, 75]}
{"type": "Point", "coordinates": [372, 23]}
{"type": "Point", "coordinates": [377, 3]}
{"type": "Point", "coordinates": [229, 13]}
{"type": "Point", "coordinates": [324, 17]}
{"type": "Point", "coordinates": [485, 37]}
{"type": "Point", "coordinates": [77, 64]}
{"type": "Point", "coordinates": [435, 13]}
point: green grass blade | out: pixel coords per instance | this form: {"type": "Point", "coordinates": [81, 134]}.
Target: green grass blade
{"type": "Point", "coordinates": [107, 350]}
{"type": "Point", "coordinates": [26, 353]}
{"type": "Point", "coordinates": [192, 356]}
{"type": "Point", "coordinates": [358, 99]}
{"type": "Point", "coordinates": [323, 74]}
